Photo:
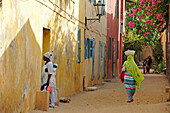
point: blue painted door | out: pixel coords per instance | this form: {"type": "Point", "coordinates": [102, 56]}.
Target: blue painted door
{"type": "Point", "coordinates": [103, 59]}
{"type": "Point", "coordinates": [99, 60]}
{"type": "Point", "coordinates": [93, 55]}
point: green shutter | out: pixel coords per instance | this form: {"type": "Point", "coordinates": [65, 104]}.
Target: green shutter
{"type": "Point", "coordinates": [86, 48]}
{"type": "Point", "coordinates": [118, 9]}
{"type": "Point", "coordinates": [79, 45]}
{"type": "Point", "coordinates": [94, 2]}
{"type": "Point", "coordinates": [88, 42]}
{"type": "Point", "coordinates": [113, 49]}
{"type": "Point", "coordinates": [117, 49]}
{"type": "Point", "coordinates": [90, 48]}
{"type": "Point", "coordinates": [110, 43]}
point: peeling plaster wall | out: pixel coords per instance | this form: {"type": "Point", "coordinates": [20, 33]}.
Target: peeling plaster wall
{"type": "Point", "coordinates": [98, 31]}
{"type": "Point", "coordinates": [21, 37]}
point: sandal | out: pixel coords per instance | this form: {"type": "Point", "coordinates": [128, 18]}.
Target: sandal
{"type": "Point", "coordinates": [129, 101]}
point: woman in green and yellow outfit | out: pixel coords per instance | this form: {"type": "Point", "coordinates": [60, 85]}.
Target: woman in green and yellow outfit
{"type": "Point", "coordinates": [132, 75]}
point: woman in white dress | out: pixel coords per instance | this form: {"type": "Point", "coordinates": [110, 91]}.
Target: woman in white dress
{"type": "Point", "coordinates": [53, 95]}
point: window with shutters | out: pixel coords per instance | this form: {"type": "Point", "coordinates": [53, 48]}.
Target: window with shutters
{"type": "Point", "coordinates": [101, 52]}
{"type": "Point", "coordinates": [118, 9]}
{"type": "Point", "coordinates": [90, 48]}
{"type": "Point", "coordinates": [110, 44]}
{"type": "Point", "coordinates": [79, 46]}
{"type": "Point", "coordinates": [117, 49]}
{"type": "Point", "coordinates": [86, 47]}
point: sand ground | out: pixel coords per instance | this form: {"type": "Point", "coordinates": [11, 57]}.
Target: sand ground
{"type": "Point", "coordinates": [111, 97]}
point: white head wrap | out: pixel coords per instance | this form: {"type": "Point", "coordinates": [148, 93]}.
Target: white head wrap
{"type": "Point", "coordinates": [48, 55]}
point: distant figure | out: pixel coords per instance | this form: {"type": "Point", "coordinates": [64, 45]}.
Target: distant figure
{"type": "Point", "coordinates": [132, 75]}
{"type": "Point", "coordinates": [144, 66]}
{"type": "Point", "coordinates": [148, 64]}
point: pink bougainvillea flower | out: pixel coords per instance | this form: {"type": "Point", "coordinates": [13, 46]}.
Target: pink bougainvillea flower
{"type": "Point", "coordinates": [139, 18]}
{"type": "Point", "coordinates": [131, 15]}
{"type": "Point", "coordinates": [143, 17]}
{"type": "Point", "coordinates": [142, 2]}
{"type": "Point", "coordinates": [156, 26]}
{"type": "Point", "coordinates": [147, 33]}
{"type": "Point", "coordinates": [148, 13]}
{"type": "Point", "coordinates": [129, 22]}
{"type": "Point", "coordinates": [153, 1]}
{"type": "Point", "coordinates": [156, 34]}
{"type": "Point", "coordinates": [133, 24]}
{"type": "Point", "coordinates": [148, 8]}
{"type": "Point", "coordinates": [148, 22]}
{"type": "Point", "coordinates": [140, 8]}
{"type": "Point", "coordinates": [162, 19]}
{"type": "Point", "coordinates": [134, 11]}
{"type": "Point", "coordinates": [158, 16]}
{"type": "Point", "coordinates": [153, 5]}
{"type": "Point", "coordinates": [140, 31]}
{"type": "Point", "coordinates": [144, 34]}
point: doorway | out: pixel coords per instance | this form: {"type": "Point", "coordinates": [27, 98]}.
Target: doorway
{"type": "Point", "coordinates": [46, 42]}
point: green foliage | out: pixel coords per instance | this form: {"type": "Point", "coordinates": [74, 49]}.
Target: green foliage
{"type": "Point", "coordinates": [131, 35]}
{"type": "Point", "coordinates": [132, 42]}
{"type": "Point", "coordinates": [158, 58]}
{"type": "Point", "coordinates": [150, 33]}
{"type": "Point", "coordinates": [159, 67]}
{"type": "Point", "coordinates": [157, 53]}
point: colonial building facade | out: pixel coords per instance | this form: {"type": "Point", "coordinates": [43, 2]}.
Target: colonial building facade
{"type": "Point", "coordinates": [115, 30]}
{"type": "Point", "coordinates": [86, 51]}
{"type": "Point", "coordinates": [28, 29]}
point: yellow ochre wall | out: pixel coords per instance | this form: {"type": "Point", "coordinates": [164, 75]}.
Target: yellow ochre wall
{"type": "Point", "coordinates": [163, 42]}
{"type": "Point", "coordinates": [21, 38]}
